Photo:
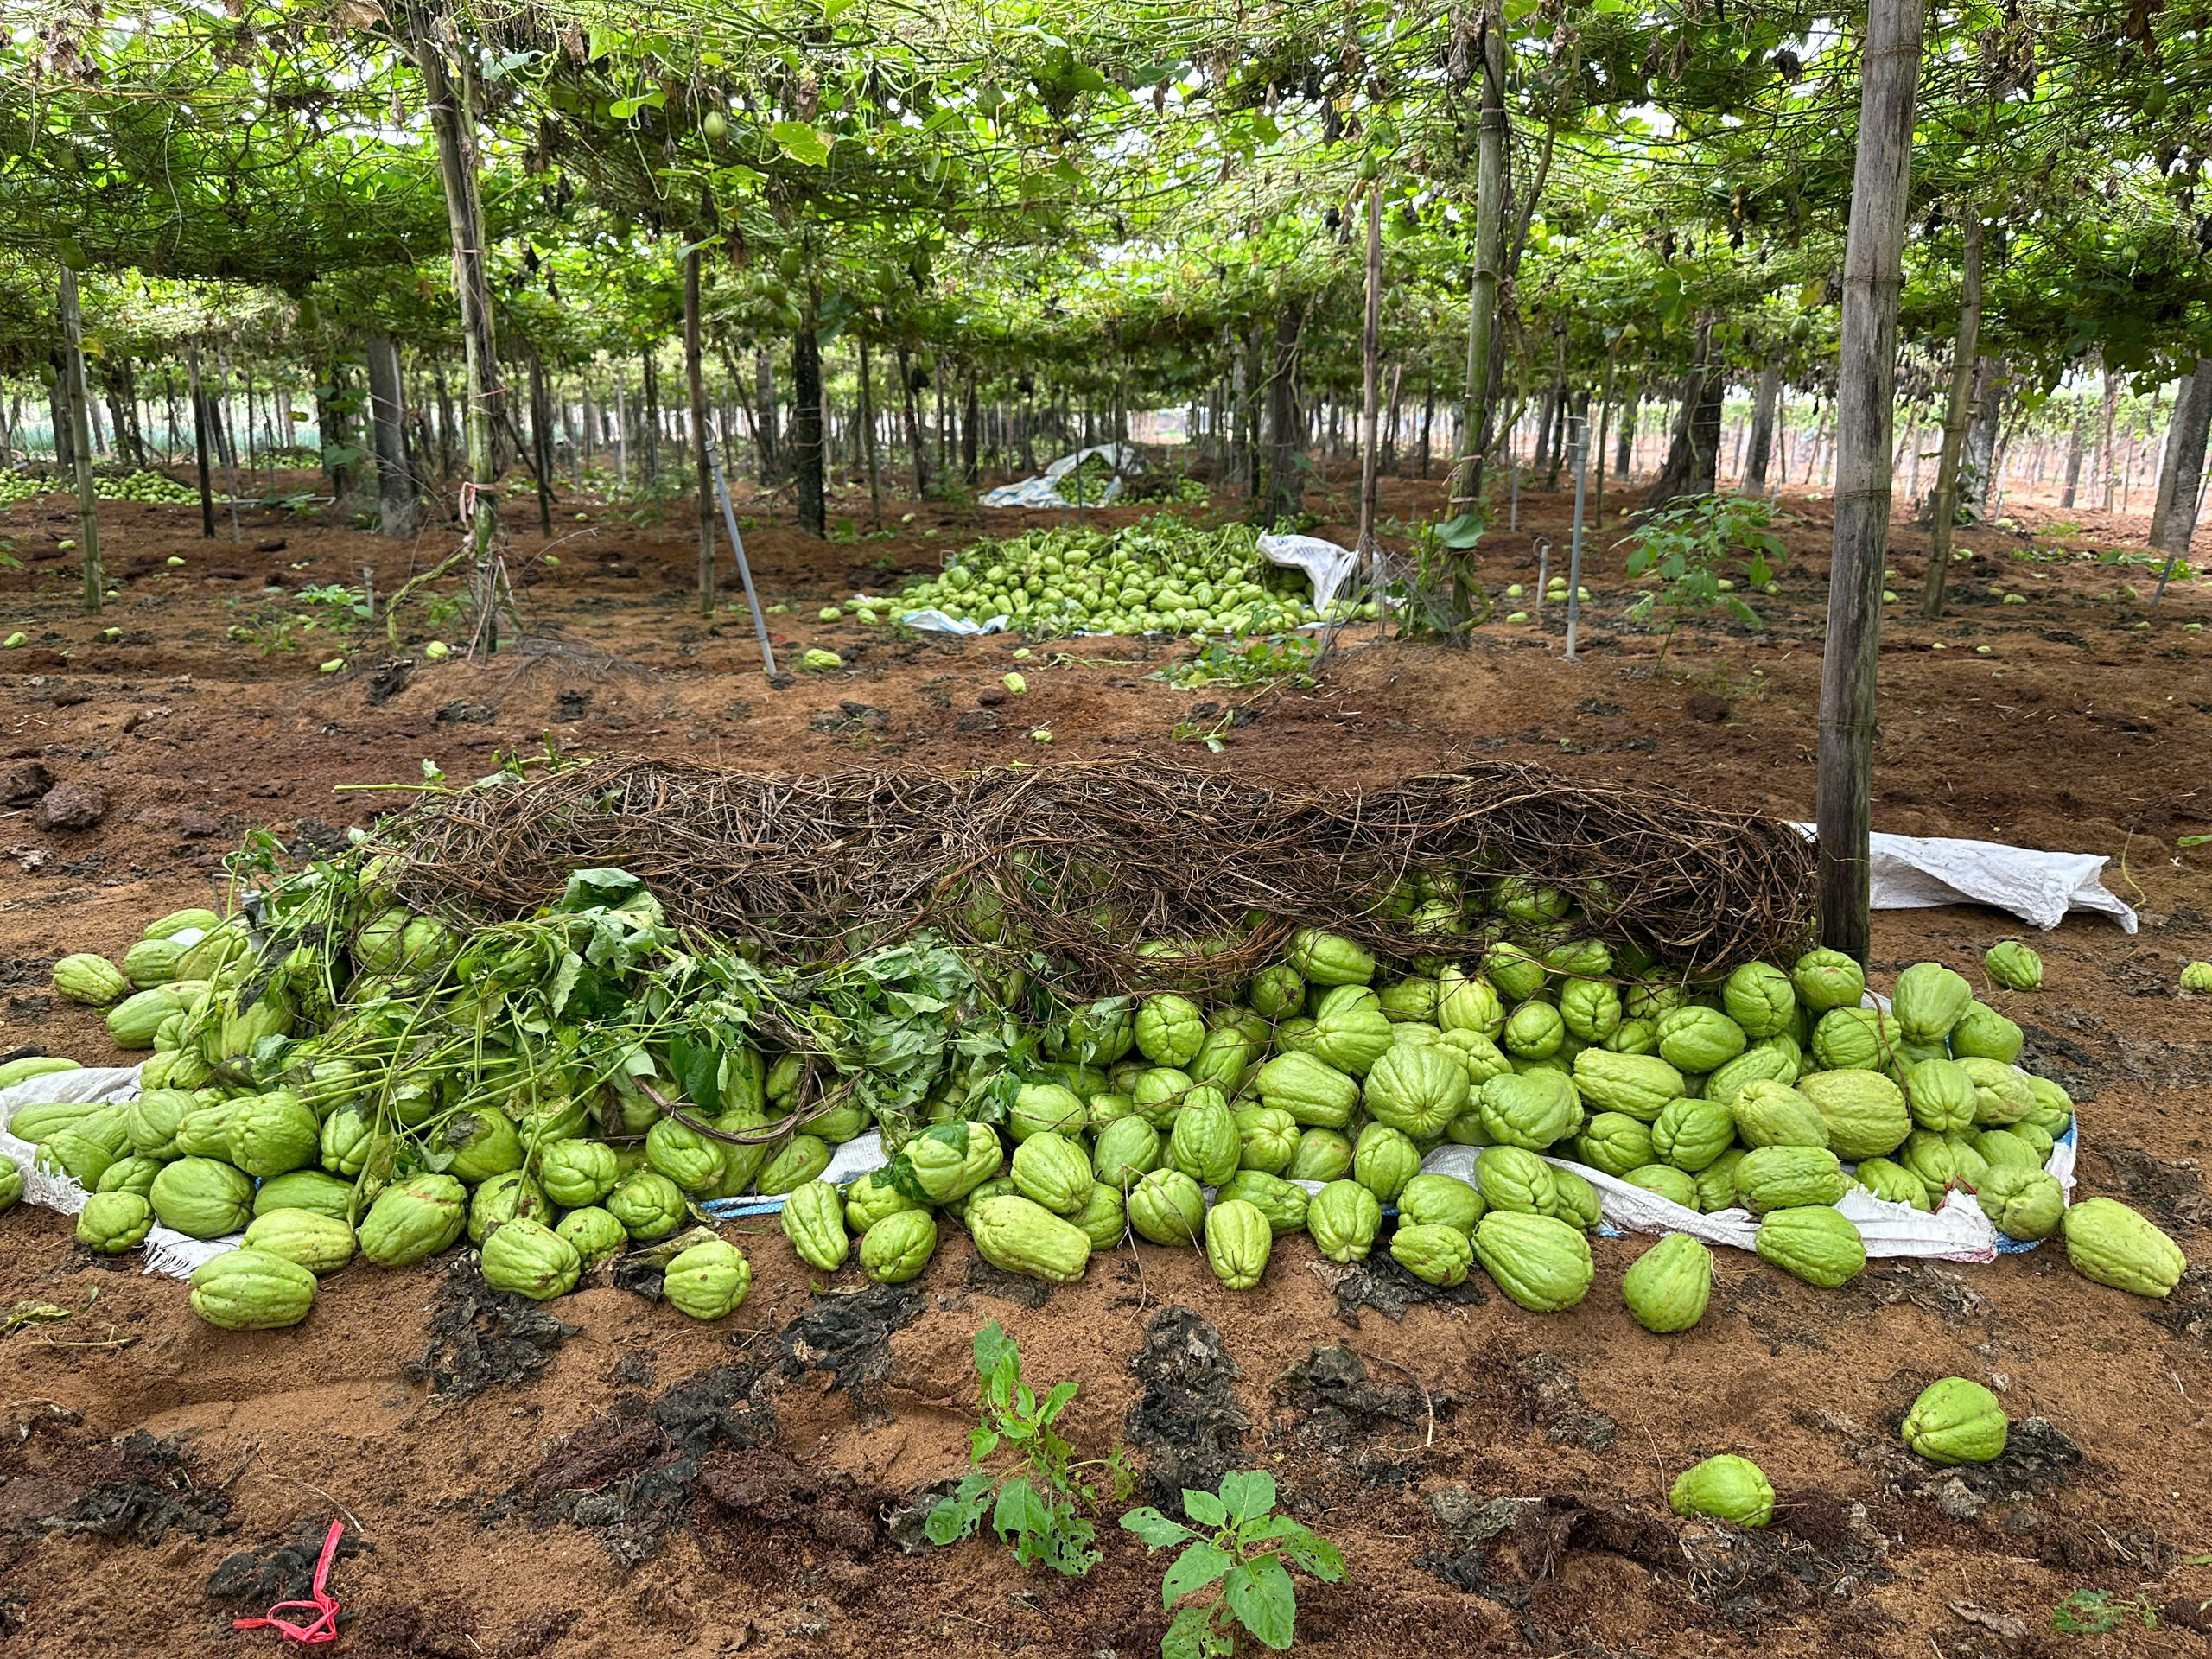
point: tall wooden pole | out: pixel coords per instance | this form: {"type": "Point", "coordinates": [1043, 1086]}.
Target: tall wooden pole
{"type": "Point", "coordinates": [453, 119]}
{"type": "Point", "coordinates": [1958, 416]}
{"type": "Point", "coordinates": [1489, 257]}
{"type": "Point", "coordinates": [1873, 277]}
{"type": "Point", "coordinates": [80, 440]}
{"type": "Point", "coordinates": [1371, 354]}
{"type": "Point", "coordinates": [200, 441]}
{"type": "Point", "coordinates": [696, 385]}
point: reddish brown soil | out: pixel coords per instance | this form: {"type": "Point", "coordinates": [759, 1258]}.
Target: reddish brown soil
{"type": "Point", "coordinates": [2078, 730]}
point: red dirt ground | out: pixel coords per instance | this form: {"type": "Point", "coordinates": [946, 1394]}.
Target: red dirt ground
{"type": "Point", "coordinates": [2080, 729]}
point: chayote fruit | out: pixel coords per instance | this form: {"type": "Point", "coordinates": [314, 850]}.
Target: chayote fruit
{"type": "Point", "coordinates": [1694, 1039]}
{"type": "Point", "coordinates": [1409, 1000]}
{"type": "Point", "coordinates": [1315, 1094]}
{"type": "Point", "coordinates": [1759, 997]}
{"type": "Point", "coordinates": [320, 1243]}
{"type": "Point", "coordinates": [947, 1161]}
{"type": "Point", "coordinates": [813, 1220]}
{"type": "Point", "coordinates": [871, 1197]}
{"type": "Point", "coordinates": [1514, 1179]}
{"type": "Point", "coordinates": [1574, 1201]}
{"type": "Point", "coordinates": [1105, 1219]}
{"type": "Point", "coordinates": [1277, 993]}
{"type": "Point", "coordinates": [1465, 1002]}
{"type": "Point", "coordinates": [899, 1247]}
{"type": "Point", "coordinates": [111, 1223]}
{"type": "Point", "coordinates": [1350, 1031]}
{"type": "Point", "coordinates": [1127, 1150]}
{"type": "Point", "coordinates": [1716, 1182]}
{"type": "Point", "coordinates": [575, 1172]}
{"type": "Point", "coordinates": [1815, 1242]}
{"type": "Point", "coordinates": [594, 1234]}
{"type": "Point", "coordinates": [1891, 1182]}
{"type": "Point", "coordinates": [1827, 979]}
{"type": "Point", "coordinates": [647, 1203]}
{"type": "Point", "coordinates": [1166, 1207]}
{"type": "Point", "coordinates": [1169, 1029]}
{"type": "Point", "coordinates": [89, 981]}
{"type": "Point", "coordinates": [2014, 966]}
{"type": "Point", "coordinates": [414, 1220]}
{"type": "Point", "coordinates": [1535, 1031]}
{"type": "Point", "coordinates": [1985, 1034]}
{"type": "Point", "coordinates": [1019, 1235]}
{"type": "Point", "coordinates": [1321, 1155]}
{"type": "Point", "coordinates": [1614, 1143]}
{"type": "Point", "coordinates": [1203, 1143]}
{"type": "Point", "coordinates": [1541, 1263]}
{"type": "Point", "coordinates": [1417, 1091]}
{"type": "Point", "coordinates": [1052, 1170]}
{"type": "Point", "coordinates": [1691, 1134]}
{"type": "Point", "coordinates": [1777, 1115]}
{"type": "Point", "coordinates": [1726, 1487]}
{"type": "Point", "coordinates": [1436, 1254]}
{"type": "Point", "coordinates": [1440, 1201]}
{"type": "Point", "coordinates": [1956, 1421]}
{"type": "Point", "coordinates": [1667, 1288]}
{"type": "Point", "coordinates": [1863, 1111]}
{"type": "Point", "coordinates": [251, 1290]}
{"type": "Point", "coordinates": [1342, 1219]}
{"type": "Point", "coordinates": [1940, 1095]}
{"type": "Point", "coordinates": [1665, 1181]}
{"type": "Point", "coordinates": [2001, 1095]}
{"type": "Point", "coordinates": [1238, 1243]}
{"type": "Point", "coordinates": [795, 1162]}
{"type": "Point", "coordinates": [1930, 999]}
{"type": "Point", "coordinates": [693, 1162]}
{"type": "Point", "coordinates": [2114, 1245]}
{"type": "Point", "coordinates": [502, 1200]}
{"type": "Point", "coordinates": [1329, 959]}
{"type": "Point", "coordinates": [530, 1258]}
{"type": "Point", "coordinates": [707, 1282]}
{"type": "Point", "coordinates": [1531, 1110]}
{"type": "Point", "coordinates": [202, 1197]}
{"type": "Point", "coordinates": [1267, 1138]}
{"type": "Point", "coordinates": [1283, 1202]}
{"type": "Point", "coordinates": [1383, 1160]}
{"type": "Point", "coordinates": [1783, 1177]}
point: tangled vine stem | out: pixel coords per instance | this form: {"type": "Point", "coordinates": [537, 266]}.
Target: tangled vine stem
{"type": "Point", "coordinates": [1087, 861]}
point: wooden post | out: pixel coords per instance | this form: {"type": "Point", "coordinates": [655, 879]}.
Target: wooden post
{"type": "Point", "coordinates": [1873, 277]}
{"type": "Point", "coordinates": [453, 118]}
{"type": "Point", "coordinates": [73, 370]}
{"type": "Point", "coordinates": [1370, 361]}
{"type": "Point", "coordinates": [200, 441]}
{"type": "Point", "coordinates": [695, 385]}
{"type": "Point", "coordinates": [1605, 418]}
{"type": "Point", "coordinates": [541, 440]}
{"type": "Point", "coordinates": [868, 436]}
{"type": "Point", "coordinates": [1490, 258]}
{"type": "Point", "coordinates": [1959, 415]}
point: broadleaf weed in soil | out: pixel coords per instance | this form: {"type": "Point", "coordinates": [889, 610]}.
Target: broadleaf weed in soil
{"type": "Point", "coordinates": [1036, 1506]}
{"type": "Point", "coordinates": [1243, 1547]}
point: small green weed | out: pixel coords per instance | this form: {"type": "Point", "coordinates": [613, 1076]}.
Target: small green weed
{"type": "Point", "coordinates": [1249, 1555]}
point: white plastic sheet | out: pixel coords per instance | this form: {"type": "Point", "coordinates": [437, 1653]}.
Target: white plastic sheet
{"type": "Point", "coordinates": [167, 1251]}
{"type": "Point", "coordinates": [1913, 872]}
{"type": "Point", "coordinates": [1326, 564]}
{"type": "Point", "coordinates": [1045, 491]}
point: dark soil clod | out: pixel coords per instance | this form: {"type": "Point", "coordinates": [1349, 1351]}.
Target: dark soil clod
{"type": "Point", "coordinates": [280, 1570]}
{"type": "Point", "coordinates": [481, 1337]}
{"type": "Point", "coordinates": [850, 1336]}
{"type": "Point", "coordinates": [1187, 1421]}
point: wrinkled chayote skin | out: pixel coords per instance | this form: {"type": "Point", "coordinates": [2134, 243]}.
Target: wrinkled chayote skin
{"type": "Point", "coordinates": [1342, 1219]}
{"type": "Point", "coordinates": [1438, 1255]}
{"type": "Point", "coordinates": [813, 1220]}
{"type": "Point", "coordinates": [1667, 1288]}
{"type": "Point", "coordinates": [1956, 1421]}
{"type": "Point", "coordinates": [1238, 1243]}
{"type": "Point", "coordinates": [1724, 1488]}
{"type": "Point", "coordinates": [530, 1258]}
{"type": "Point", "coordinates": [1166, 1207]}
{"type": "Point", "coordinates": [2111, 1244]}
{"type": "Point", "coordinates": [899, 1247]}
{"type": "Point", "coordinates": [707, 1282]}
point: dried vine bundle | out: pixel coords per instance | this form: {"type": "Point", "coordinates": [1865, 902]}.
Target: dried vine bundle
{"type": "Point", "coordinates": [1118, 870]}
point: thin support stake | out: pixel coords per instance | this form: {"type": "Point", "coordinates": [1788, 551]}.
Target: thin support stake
{"type": "Point", "coordinates": [744, 570]}
{"type": "Point", "coordinates": [1575, 546]}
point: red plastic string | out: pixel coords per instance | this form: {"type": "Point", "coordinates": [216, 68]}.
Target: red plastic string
{"type": "Point", "coordinates": [325, 1628]}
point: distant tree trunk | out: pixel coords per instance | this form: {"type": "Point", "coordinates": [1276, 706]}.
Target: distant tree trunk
{"type": "Point", "coordinates": [387, 409]}
{"type": "Point", "coordinates": [764, 436]}
{"type": "Point", "coordinates": [868, 436]}
{"type": "Point", "coordinates": [1624, 444]}
{"type": "Point", "coordinates": [200, 441]}
{"type": "Point", "coordinates": [541, 439]}
{"type": "Point", "coordinates": [970, 468]}
{"type": "Point", "coordinates": [1428, 421]}
{"type": "Point", "coordinates": [694, 386]}
{"type": "Point", "coordinates": [1873, 278]}
{"type": "Point", "coordinates": [79, 398]}
{"type": "Point", "coordinates": [2073, 462]}
{"type": "Point", "coordinates": [916, 446]}
{"type": "Point", "coordinates": [2111, 456]}
{"type": "Point", "coordinates": [2170, 459]}
{"type": "Point", "coordinates": [2192, 422]}
{"type": "Point", "coordinates": [1761, 441]}
{"type": "Point", "coordinates": [1484, 360]}
{"type": "Point", "coordinates": [452, 105]}
{"type": "Point", "coordinates": [1284, 492]}
{"type": "Point", "coordinates": [649, 413]}
{"type": "Point", "coordinates": [57, 405]}
{"type": "Point", "coordinates": [806, 430]}
{"type": "Point", "coordinates": [1943, 507]}
{"type": "Point", "coordinates": [1692, 455]}
{"type": "Point", "coordinates": [1371, 356]}
{"type": "Point", "coordinates": [1979, 474]}
{"type": "Point", "coordinates": [1240, 447]}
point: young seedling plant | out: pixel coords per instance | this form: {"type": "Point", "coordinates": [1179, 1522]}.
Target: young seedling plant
{"type": "Point", "coordinates": [1241, 1550]}
{"type": "Point", "coordinates": [1036, 1506]}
